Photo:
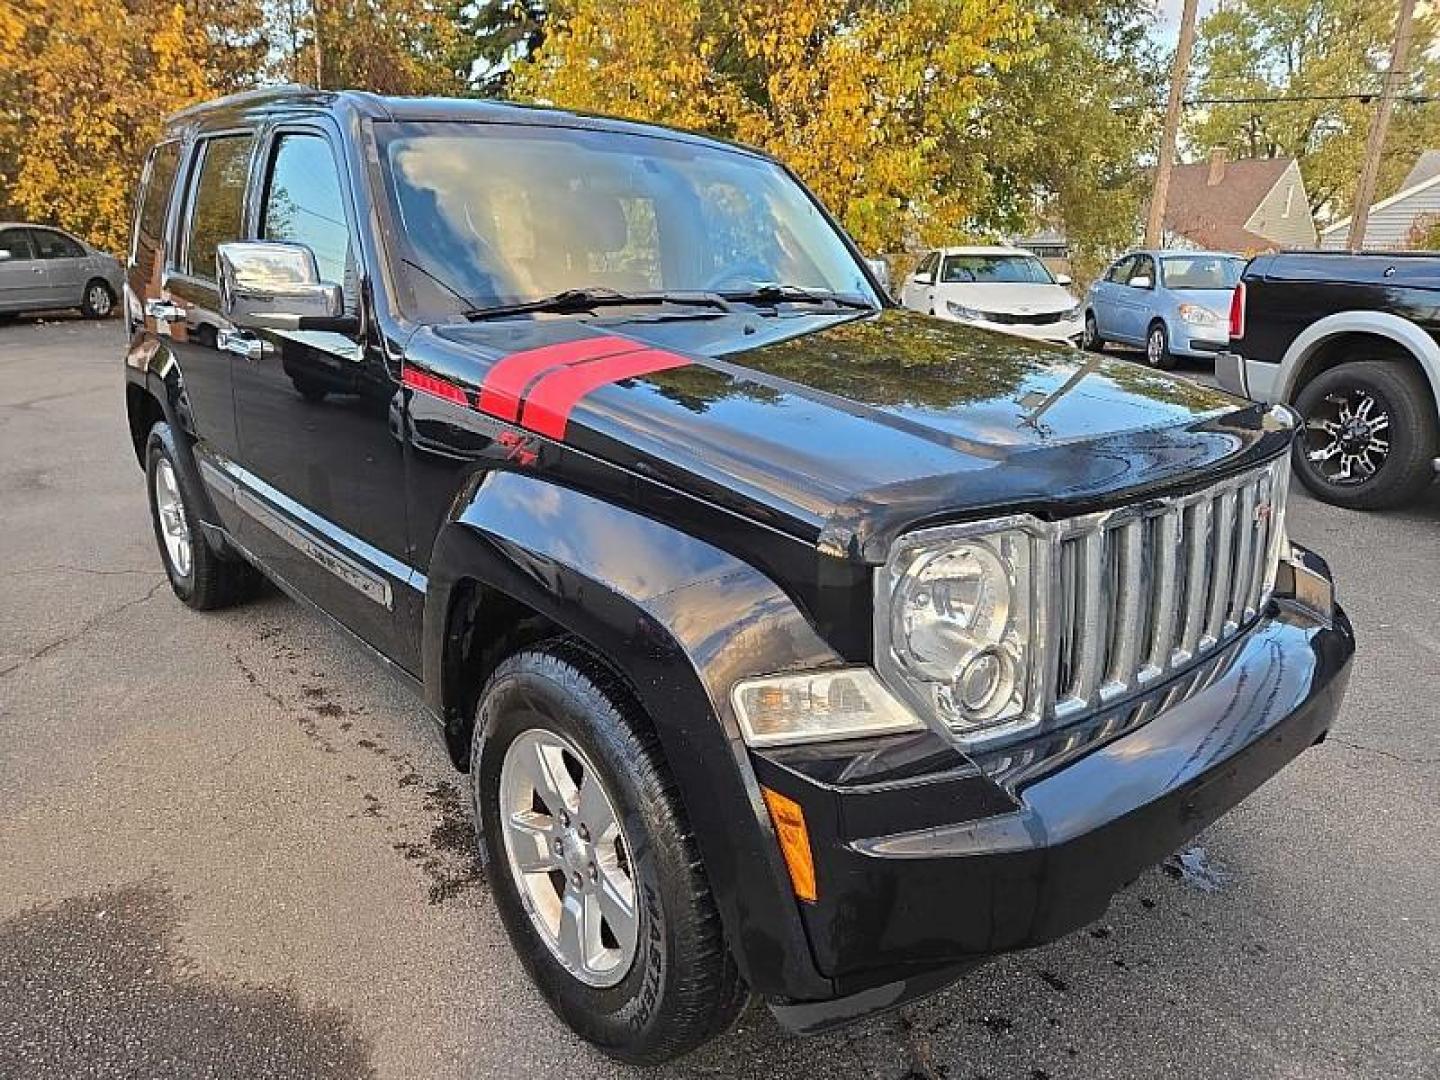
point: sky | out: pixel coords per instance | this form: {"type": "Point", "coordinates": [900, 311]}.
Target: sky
{"type": "Point", "coordinates": [1169, 23]}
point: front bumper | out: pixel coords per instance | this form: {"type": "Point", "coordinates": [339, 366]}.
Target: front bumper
{"type": "Point", "coordinates": [929, 862]}
{"type": "Point", "coordinates": [1065, 332]}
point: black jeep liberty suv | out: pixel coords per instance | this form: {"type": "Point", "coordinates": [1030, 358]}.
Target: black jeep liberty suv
{"type": "Point", "coordinates": [796, 645]}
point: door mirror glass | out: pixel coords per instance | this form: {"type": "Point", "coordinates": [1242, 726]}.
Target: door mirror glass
{"type": "Point", "coordinates": [266, 285]}
{"type": "Point", "coordinates": [1140, 281]}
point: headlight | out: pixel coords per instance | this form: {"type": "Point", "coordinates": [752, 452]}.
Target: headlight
{"type": "Point", "coordinates": [817, 706]}
{"type": "Point", "coordinates": [954, 624]}
{"type": "Point", "coordinates": [963, 313]}
{"type": "Point", "coordinates": [1200, 316]}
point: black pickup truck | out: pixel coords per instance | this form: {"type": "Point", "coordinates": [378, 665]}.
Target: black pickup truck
{"type": "Point", "coordinates": [796, 645]}
{"type": "Point", "coordinates": [1353, 342]}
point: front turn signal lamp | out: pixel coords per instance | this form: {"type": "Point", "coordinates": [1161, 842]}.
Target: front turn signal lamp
{"type": "Point", "coordinates": [818, 706]}
{"type": "Point", "coordinates": [789, 820]}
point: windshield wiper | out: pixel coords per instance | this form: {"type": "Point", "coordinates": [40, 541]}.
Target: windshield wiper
{"type": "Point", "coordinates": [596, 296]}
{"type": "Point", "coordinates": [772, 293]}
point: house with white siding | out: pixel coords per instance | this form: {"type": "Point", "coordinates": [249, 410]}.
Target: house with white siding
{"type": "Point", "coordinates": [1247, 206]}
{"type": "Point", "coordinates": [1399, 222]}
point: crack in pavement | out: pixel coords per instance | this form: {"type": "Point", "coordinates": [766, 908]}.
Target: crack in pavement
{"type": "Point", "coordinates": [1362, 748]}
{"type": "Point", "coordinates": [83, 629]}
{"type": "Point", "coordinates": [73, 570]}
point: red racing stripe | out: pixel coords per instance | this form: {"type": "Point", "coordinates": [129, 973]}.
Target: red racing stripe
{"type": "Point", "coordinates": [426, 383]}
{"type": "Point", "coordinates": [549, 404]}
{"type": "Point", "coordinates": [505, 384]}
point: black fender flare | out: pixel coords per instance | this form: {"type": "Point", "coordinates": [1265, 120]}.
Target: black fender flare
{"type": "Point", "coordinates": [680, 620]}
{"type": "Point", "coordinates": [151, 369]}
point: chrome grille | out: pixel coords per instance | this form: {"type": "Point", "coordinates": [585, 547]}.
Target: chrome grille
{"type": "Point", "coordinates": [1143, 591]}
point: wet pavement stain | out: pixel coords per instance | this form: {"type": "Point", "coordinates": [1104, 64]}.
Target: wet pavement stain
{"type": "Point", "coordinates": [1193, 867]}
{"type": "Point", "coordinates": [90, 988]}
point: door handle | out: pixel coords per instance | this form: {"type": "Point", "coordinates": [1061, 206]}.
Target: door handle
{"type": "Point", "coordinates": [164, 310]}
{"type": "Point", "coordinates": [242, 343]}
{"type": "Point", "coordinates": [37, 269]}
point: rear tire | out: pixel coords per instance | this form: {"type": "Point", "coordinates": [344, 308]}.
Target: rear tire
{"type": "Point", "coordinates": [97, 302]}
{"type": "Point", "coordinates": [1337, 455]}
{"type": "Point", "coordinates": [201, 577]}
{"type": "Point", "coordinates": [1092, 341]}
{"type": "Point", "coordinates": [663, 981]}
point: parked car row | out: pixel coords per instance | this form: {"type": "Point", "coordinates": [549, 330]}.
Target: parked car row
{"type": "Point", "coordinates": [42, 269]}
{"type": "Point", "coordinates": [1350, 341]}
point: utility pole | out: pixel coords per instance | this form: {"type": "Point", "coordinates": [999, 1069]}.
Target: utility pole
{"type": "Point", "coordinates": [1155, 222]}
{"type": "Point", "coordinates": [1379, 123]}
{"type": "Point", "coordinates": [319, 66]}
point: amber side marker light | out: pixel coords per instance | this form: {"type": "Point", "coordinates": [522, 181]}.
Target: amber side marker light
{"type": "Point", "coordinates": [789, 822]}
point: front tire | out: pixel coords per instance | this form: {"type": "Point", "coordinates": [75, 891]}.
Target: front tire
{"type": "Point", "coordinates": [1369, 438]}
{"type": "Point", "coordinates": [593, 867]}
{"type": "Point", "coordinates": [97, 302]}
{"type": "Point", "coordinates": [200, 576]}
{"type": "Point", "coordinates": [1157, 348]}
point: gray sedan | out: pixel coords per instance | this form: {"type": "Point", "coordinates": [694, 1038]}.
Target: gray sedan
{"type": "Point", "coordinates": [43, 268]}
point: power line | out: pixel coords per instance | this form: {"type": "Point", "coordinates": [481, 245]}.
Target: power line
{"type": "Point", "coordinates": [1366, 98]}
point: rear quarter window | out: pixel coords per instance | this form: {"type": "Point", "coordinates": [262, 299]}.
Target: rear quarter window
{"type": "Point", "coordinates": [155, 187]}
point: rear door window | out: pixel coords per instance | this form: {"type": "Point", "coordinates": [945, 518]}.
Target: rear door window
{"type": "Point", "coordinates": [54, 245]}
{"type": "Point", "coordinates": [217, 202]}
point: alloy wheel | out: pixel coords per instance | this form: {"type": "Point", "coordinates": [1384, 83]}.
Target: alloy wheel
{"type": "Point", "coordinates": [174, 529]}
{"type": "Point", "coordinates": [569, 857]}
{"type": "Point", "coordinates": [99, 300]}
{"type": "Point", "coordinates": [1155, 347]}
{"type": "Point", "coordinates": [1347, 440]}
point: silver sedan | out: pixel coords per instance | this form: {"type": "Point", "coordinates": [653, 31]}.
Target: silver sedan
{"type": "Point", "coordinates": [42, 268]}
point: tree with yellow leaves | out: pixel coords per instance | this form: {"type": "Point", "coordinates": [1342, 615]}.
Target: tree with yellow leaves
{"type": "Point", "coordinates": [86, 86]}
{"type": "Point", "coordinates": [869, 102]}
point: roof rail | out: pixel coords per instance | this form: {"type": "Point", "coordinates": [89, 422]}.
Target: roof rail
{"type": "Point", "coordinates": [279, 92]}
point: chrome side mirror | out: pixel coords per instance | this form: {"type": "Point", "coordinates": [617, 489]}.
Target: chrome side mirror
{"type": "Point", "coordinates": [268, 285]}
{"type": "Point", "coordinates": [1140, 281]}
{"type": "Point", "coordinates": [1064, 279]}
{"type": "Point", "coordinates": [6, 255]}
{"type": "Point", "coordinates": [881, 269]}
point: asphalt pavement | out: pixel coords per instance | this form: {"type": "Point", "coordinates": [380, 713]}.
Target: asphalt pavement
{"type": "Point", "coordinates": [232, 845]}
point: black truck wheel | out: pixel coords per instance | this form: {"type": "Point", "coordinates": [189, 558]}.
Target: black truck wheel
{"type": "Point", "coordinates": [592, 864]}
{"type": "Point", "coordinates": [1369, 438]}
{"type": "Point", "coordinates": [200, 576]}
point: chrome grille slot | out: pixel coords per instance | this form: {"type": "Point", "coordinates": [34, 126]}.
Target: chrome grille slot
{"type": "Point", "coordinates": [1142, 592]}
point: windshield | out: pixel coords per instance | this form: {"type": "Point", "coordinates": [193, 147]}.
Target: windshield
{"type": "Point", "coordinates": [1202, 271]}
{"type": "Point", "coordinates": [994, 268]}
{"type": "Point", "coordinates": [500, 215]}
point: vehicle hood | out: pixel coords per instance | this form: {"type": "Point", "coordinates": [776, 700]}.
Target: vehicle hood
{"type": "Point", "coordinates": [1010, 298]}
{"type": "Point", "coordinates": [846, 430]}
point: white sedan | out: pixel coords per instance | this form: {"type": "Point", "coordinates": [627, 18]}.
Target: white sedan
{"type": "Point", "coordinates": [999, 288]}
